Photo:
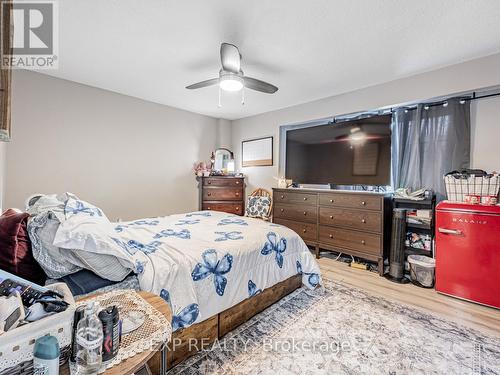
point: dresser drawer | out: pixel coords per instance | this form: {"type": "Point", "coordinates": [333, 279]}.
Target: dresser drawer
{"type": "Point", "coordinates": [222, 194]}
{"type": "Point", "coordinates": [364, 201]}
{"type": "Point", "coordinates": [349, 218]}
{"type": "Point", "coordinates": [219, 181]}
{"type": "Point", "coordinates": [343, 238]}
{"type": "Point", "coordinates": [293, 212]}
{"type": "Point", "coordinates": [308, 232]}
{"type": "Point", "coordinates": [295, 197]}
{"type": "Point", "coordinates": [230, 208]}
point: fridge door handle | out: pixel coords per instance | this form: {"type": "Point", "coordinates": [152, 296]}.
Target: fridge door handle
{"type": "Point", "coordinates": [455, 232]}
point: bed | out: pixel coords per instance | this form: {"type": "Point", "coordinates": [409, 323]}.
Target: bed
{"type": "Point", "coordinates": [216, 270]}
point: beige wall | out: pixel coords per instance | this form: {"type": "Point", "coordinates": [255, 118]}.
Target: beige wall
{"type": "Point", "coordinates": [130, 157]}
{"type": "Point", "coordinates": [485, 119]}
{"type": "Point", "coordinates": [471, 75]}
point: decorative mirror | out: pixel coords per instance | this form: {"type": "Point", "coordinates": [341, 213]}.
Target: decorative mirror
{"type": "Point", "coordinates": [223, 160]}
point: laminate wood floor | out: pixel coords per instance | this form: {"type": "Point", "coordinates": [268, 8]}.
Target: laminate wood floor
{"type": "Point", "coordinates": [482, 318]}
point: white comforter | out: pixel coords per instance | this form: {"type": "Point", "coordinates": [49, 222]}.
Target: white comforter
{"type": "Point", "coordinates": [205, 262]}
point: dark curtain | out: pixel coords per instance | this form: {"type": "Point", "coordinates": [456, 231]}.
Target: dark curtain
{"type": "Point", "coordinates": [428, 143]}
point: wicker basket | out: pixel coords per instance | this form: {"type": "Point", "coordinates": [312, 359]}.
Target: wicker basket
{"type": "Point", "coordinates": [16, 346]}
{"type": "Point", "coordinates": [460, 184]}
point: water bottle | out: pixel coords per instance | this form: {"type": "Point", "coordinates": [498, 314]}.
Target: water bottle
{"type": "Point", "coordinates": [89, 341]}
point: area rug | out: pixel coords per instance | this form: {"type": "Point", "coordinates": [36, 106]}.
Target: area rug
{"type": "Point", "coordinates": [343, 330]}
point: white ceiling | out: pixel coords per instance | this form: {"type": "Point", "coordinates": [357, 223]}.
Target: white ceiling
{"type": "Point", "coordinates": [310, 49]}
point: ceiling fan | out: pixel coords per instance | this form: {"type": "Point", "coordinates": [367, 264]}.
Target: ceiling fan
{"type": "Point", "coordinates": [231, 77]}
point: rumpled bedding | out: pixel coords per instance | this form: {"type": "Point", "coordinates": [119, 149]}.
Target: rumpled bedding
{"type": "Point", "coordinates": [201, 263]}
{"type": "Point", "coordinates": [50, 214]}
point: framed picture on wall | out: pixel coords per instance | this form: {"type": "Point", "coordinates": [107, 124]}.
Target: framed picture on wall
{"type": "Point", "coordinates": [257, 152]}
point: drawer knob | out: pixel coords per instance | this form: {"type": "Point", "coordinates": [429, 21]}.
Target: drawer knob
{"type": "Point", "coordinates": [237, 194]}
{"type": "Point", "coordinates": [331, 236]}
{"type": "Point", "coordinates": [209, 182]}
{"type": "Point", "coordinates": [363, 203]}
{"type": "Point", "coordinates": [282, 197]}
{"type": "Point", "coordinates": [363, 221]}
{"type": "Point", "coordinates": [331, 200]}
{"type": "Point", "coordinates": [305, 213]}
{"type": "Point", "coordinates": [282, 210]}
{"type": "Point", "coordinates": [363, 242]}
{"type": "Point", "coordinates": [237, 182]}
{"type": "Point", "coordinates": [209, 194]}
{"type": "Point", "coordinates": [237, 208]}
{"type": "Point", "coordinates": [331, 217]}
{"type": "Point", "coordinates": [304, 230]}
{"type": "Point", "coordinates": [208, 208]}
{"type": "Point", "coordinates": [305, 198]}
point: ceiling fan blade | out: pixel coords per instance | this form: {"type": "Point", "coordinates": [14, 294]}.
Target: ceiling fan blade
{"type": "Point", "coordinates": [199, 85]}
{"type": "Point", "coordinates": [230, 58]}
{"type": "Point", "coordinates": [259, 85]}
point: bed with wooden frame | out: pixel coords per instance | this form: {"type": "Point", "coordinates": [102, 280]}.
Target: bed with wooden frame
{"type": "Point", "coordinates": [188, 341]}
{"type": "Point", "coordinates": [215, 270]}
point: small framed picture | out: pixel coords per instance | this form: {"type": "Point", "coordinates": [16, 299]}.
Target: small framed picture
{"type": "Point", "coordinates": [257, 152]}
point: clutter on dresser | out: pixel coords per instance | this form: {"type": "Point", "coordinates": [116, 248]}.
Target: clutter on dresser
{"type": "Point", "coordinates": [42, 315]}
{"type": "Point", "coordinates": [112, 327]}
{"type": "Point", "coordinates": [473, 186]}
{"type": "Point", "coordinates": [202, 169]}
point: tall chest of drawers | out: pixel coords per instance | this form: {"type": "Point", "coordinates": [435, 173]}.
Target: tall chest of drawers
{"type": "Point", "coordinates": [222, 193]}
{"type": "Point", "coordinates": [355, 223]}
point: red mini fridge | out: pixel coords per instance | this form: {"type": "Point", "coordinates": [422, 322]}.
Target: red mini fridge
{"type": "Point", "coordinates": [468, 252]}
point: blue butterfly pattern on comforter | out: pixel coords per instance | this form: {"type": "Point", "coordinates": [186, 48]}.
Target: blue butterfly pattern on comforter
{"type": "Point", "coordinates": [121, 227]}
{"type": "Point", "coordinates": [228, 236]}
{"type": "Point", "coordinates": [211, 265]}
{"type": "Point", "coordinates": [183, 234]}
{"type": "Point", "coordinates": [231, 220]}
{"type": "Point", "coordinates": [276, 246]}
{"type": "Point", "coordinates": [184, 317]}
{"type": "Point", "coordinates": [252, 289]}
{"type": "Point", "coordinates": [188, 221]}
{"type": "Point", "coordinates": [133, 246]}
{"type": "Point", "coordinates": [75, 207]}
{"type": "Point", "coordinates": [203, 213]}
{"type": "Point", "coordinates": [313, 277]}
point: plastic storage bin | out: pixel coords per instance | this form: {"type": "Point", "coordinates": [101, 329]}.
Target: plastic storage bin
{"type": "Point", "coordinates": [16, 346]}
{"type": "Point", "coordinates": [422, 270]}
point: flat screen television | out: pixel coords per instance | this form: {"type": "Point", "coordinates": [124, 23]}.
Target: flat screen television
{"type": "Point", "coordinates": [355, 152]}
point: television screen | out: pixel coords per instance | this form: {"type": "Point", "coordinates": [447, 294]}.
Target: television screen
{"type": "Point", "coordinates": [354, 152]}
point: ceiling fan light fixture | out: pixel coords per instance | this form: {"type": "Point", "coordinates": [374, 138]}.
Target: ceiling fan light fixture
{"type": "Point", "coordinates": [231, 82]}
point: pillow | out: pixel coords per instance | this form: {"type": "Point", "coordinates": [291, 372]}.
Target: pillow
{"type": "Point", "coordinates": [258, 207]}
{"type": "Point", "coordinates": [86, 235]}
{"type": "Point", "coordinates": [15, 247]}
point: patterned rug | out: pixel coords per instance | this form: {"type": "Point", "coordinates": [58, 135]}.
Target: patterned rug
{"type": "Point", "coordinates": [347, 331]}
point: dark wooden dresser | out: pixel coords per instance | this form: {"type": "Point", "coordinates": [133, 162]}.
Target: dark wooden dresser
{"type": "Point", "coordinates": [222, 193]}
{"type": "Point", "coordinates": [355, 223]}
